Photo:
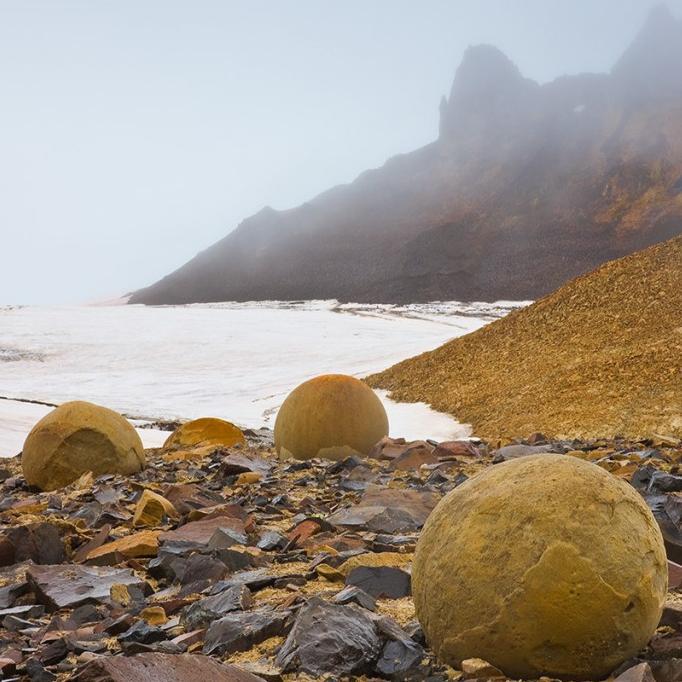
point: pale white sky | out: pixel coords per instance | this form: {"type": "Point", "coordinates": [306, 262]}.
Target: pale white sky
{"type": "Point", "coordinates": [135, 133]}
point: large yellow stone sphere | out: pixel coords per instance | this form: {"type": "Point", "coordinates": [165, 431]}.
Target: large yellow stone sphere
{"type": "Point", "coordinates": [542, 565]}
{"type": "Point", "coordinates": [205, 431]}
{"type": "Point", "coordinates": [331, 416]}
{"type": "Point", "coordinates": [77, 437]}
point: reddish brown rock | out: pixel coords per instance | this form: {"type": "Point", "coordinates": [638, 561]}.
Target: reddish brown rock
{"type": "Point", "coordinates": [157, 667]}
{"type": "Point", "coordinates": [456, 448]}
{"type": "Point", "coordinates": [202, 531]}
{"type": "Point", "coordinates": [413, 457]}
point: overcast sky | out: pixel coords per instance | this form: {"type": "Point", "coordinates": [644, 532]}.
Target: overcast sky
{"type": "Point", "coordinates": [135, 133]}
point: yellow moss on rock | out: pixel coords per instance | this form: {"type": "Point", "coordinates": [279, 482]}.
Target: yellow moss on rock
{"type": "Point", "coordinates": [542, 565]}
{"type": "Point", "coordinates": [204, 432]}
{"type": "Point", "coordinates": [77, 437]}
{"type": "Point", "coordinates": [331, 416]}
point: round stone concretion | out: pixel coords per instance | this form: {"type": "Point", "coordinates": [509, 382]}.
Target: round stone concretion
{"type": "Point", "coordinates": [205, 431]}
{"type": "Point", "coordinates": [546, 564]}
{"type": "Point", "coordinates": [331, 416]}
{"type": "Point", "coordinates": [77, 437]}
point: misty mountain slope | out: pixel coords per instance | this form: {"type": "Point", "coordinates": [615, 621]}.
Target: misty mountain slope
{"type": "Point", "coordinates": [526, 187]}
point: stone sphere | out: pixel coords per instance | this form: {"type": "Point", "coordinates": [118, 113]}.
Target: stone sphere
{"type": "Point", "coordinates": [77, 437]}
{"type": "Point", "coordinates": [546, 564]}
{"type": "Point", "coordinates": [205, 431]}
{"type": "Point", "coordinates": [331, 416]}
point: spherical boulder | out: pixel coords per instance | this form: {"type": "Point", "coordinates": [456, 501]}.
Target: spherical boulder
{"type": "Point", "coordinates": [331, 416]}
{"type": "Point", "coordinates": [205, 431]}
{"type": "Point", "coordinates": [77, 437]}
{"type": "Point", "coordinates": [546, 564]}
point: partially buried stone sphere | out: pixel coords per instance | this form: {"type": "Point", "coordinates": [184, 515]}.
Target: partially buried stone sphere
{"type": "Point", "coordinates": [205, 431]}
{"type": "Point", "coordinates": [331, 416]}
{"type": "Point", "coordinates": [542, 565]}
{"type": "Point", "coordinates": [77, 437]}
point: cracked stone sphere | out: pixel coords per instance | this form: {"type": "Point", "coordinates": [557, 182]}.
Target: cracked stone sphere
{"type": "Point", "coordinates": [331, 416]}
{"type": "Point", "coordinates": [77, 437]}
{"type": "Point", "coordinates": [205, 431]}
{"type": "Point", "coordinates": [544, 565]}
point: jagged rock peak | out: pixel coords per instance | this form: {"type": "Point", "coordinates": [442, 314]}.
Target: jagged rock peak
{"type": "Point", "coordinates": [484, 68]}
{"type": "Point", "coordinates": [652, 64]}
{"type": "Point", "coordinates": [488, 89]}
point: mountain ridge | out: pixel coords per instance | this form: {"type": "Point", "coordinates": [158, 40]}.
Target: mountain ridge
{"type": "Point", "coordinates": [525, 187]}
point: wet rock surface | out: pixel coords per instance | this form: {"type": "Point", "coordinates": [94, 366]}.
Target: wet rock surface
{"type": "Point", "coordinates": [229, 564]}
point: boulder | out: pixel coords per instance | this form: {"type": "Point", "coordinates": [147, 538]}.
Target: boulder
{"type": "Point", "coordinates": [77, 437]}
{"type": "Point", "coordinates": [207, 431]}
{"type": "Point", "coordinates": [331, 416]}
{"type": "Point", "coordinates": [544, 565]}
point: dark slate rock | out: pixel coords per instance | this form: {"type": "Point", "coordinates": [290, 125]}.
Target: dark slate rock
{"type": "Point", "coordinates": [400, 652]}
{"type": "Point", "coordinates": [397, 657]}
{"type": "Point", "coordinates": [254, 580]}
{"type": "Point", "coordinates": [88, 613]}
{"type": "Point", "coordinates": [226, 537]}
{"type": "Point", "coordinates": [10, 593]}
{"type": "Point", "coordinates": [381, 581]}
{"type": "Point", "coordinates": [36, 671]}
{"type": "Point", "coordinates": [16, 623]}
{"type": "Point", "coordinates": [388, 510]}
{"type": "Point", "coordinates": [271, 540]}
{"type": "Point", "coordinates": [329, 638]}
{"type": "Point", "coordinates": [202, 613]}
{"type": "Point", "coordinates": [673, 508]}
{"type": "Point", "coordinates": [242, 630]}
{"type": "Point", "coordinates": [672, 533]}
{"type": "Point", "coordinates": [235, 559]}
{"type": "Point", "coordinates": [37, 542]}
{"type": "Point", "coordinates": [52, 652]}
{"type": "Point", "coordinates": [663, 482]}
{"type": "Point", "coordinates": [352, 594]}
{"type": "Point", "coordinates": [142, 633]}
{"type": "Point", "coordinates": [67, 586]}
{"type": "Point", "coordinates": [642, 477]}
{"type": "Point", "coordinates": [24, 611]}
{"type": "Point", "coordinates": [199, 567]}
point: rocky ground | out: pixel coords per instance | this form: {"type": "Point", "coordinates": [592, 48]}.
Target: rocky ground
{"type": "Point", "coordinates": [232, 564]}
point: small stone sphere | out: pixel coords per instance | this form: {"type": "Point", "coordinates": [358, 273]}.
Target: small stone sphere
{"type": "Point", "coordinates": [205, 431]}
{"type": "Point", "coordinates": [331, 416]}
{"type": "Point", "coordinates": [543, 565]}
{"type": "Point", "coordinates": [77, 437]}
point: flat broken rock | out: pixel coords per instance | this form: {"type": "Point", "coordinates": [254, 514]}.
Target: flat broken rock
{"type": "Point", "coordinates": [241, 631]}
{"type": "Point", "coordinates": [159, 667]}
{"type": "Point", "coordinates": [69, 585]}
{"type": "Point", "coordinates": [388, 510]}
{"type": "Point", "coordinates": [200, 532]}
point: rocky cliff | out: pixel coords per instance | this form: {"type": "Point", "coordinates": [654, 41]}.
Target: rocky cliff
{"type": "Point", "coordinates": [526, 186]}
